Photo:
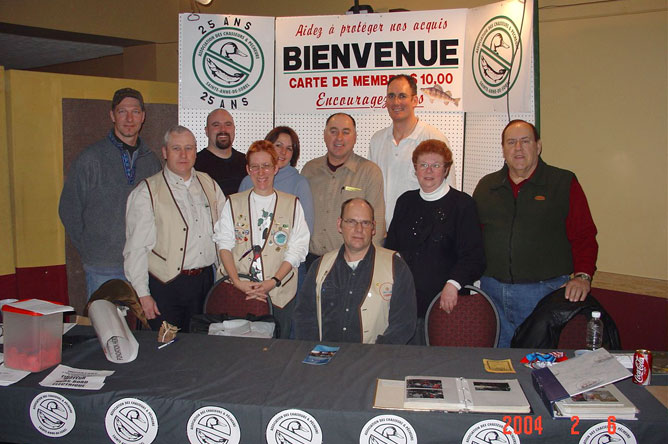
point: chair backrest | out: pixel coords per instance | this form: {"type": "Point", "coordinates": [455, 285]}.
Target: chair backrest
{"type": "Point", "coordinates": [573, 335]}
{"type": "Point", "coordinates": [474, 322]}
{"type": "Point", "coordinates": [225, 298]}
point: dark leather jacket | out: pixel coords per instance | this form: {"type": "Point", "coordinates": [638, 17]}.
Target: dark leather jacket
{"type": "Point", "coordinates": [541, 330]}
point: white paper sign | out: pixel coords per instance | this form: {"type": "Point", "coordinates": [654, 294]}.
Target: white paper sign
{"type": "Point", "coordinates": [75, 378]}
{"type": "Point", "coordinates": [226, 62]}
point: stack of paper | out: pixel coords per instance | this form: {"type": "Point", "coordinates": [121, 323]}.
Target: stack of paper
{"type": "Point", "coordinates": [584, 373]}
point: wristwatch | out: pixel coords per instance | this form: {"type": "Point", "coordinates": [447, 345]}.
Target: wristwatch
{"type": "Point", "coordinates": [278, 281]}
{"type": "Point", "coordinates": [583, 276]}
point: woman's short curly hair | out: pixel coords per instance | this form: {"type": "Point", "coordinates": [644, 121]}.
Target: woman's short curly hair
{"type": "Point", "coordinates": [262, 146]}
{"type": "Point", "coordinates": [436, 147]}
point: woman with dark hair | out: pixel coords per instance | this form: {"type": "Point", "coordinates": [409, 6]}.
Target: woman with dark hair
{"type": "Point", "coordinates": [288, 178]}
{"type": "Point", "coordinates": [437, 232]}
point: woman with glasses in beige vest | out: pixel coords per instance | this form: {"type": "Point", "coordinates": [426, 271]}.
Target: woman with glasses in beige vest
{"type": "Point", "coordinates": [262, 233]}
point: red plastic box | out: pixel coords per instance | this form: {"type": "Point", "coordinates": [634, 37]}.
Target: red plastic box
{"type": "Point", "coordinates": [32, 339]}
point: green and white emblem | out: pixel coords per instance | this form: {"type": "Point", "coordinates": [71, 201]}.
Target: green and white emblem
{"type": "Point", "coordinates": [228, 62]}
{"type": "Point", "coordinates": [497, 57]}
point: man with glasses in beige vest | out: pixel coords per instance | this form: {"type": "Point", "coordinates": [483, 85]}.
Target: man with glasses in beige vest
{"type": "Point", "coordinates": [360, 292]}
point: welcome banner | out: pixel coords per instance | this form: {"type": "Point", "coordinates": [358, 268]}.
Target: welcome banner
{"type": "Point", "coordinates": [462, 60]}
{"type": "Point", "coordinates": [343, 62]}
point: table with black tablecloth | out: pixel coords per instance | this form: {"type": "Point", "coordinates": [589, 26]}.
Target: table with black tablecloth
{"type": "Point", "coordinates": [254, 379]}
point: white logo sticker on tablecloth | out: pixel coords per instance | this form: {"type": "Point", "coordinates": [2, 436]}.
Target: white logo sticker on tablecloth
{"type": "Point", "coordinates": [608, 432]}
{"type": "Point", "coordinates": [212, 425]}
{"type": "Point", "coordinates": [388, 429]}
{"type": "Point", "coordinates": [490, 431]}
{"type": "Point", "coordinates": [295, 427]}
{"type": "Point", "coordinates": [131, 421]}
{"type": "Point", "coordinates": [52, 414]}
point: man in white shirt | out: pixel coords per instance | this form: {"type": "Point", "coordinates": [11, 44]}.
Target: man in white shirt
{"type": "Point", "coordinates": [169, 246]}
{"type": "Point", "coordinates": [392, 148]}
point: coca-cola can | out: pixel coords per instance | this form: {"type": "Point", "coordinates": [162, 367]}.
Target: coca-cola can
{"type": "Point", "coordinates": [642, 367]}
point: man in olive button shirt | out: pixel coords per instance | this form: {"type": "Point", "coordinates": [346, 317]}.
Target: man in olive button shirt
{"type": "Point", "coordinates": [336, 177]}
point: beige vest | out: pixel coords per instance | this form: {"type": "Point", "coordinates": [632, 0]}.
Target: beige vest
{"type": "Point", "coordinates": [374, 312]}
{"type": "Point", "coordinates": [166, 259]}
{"type": "Point", "coordinates": [274, 247]}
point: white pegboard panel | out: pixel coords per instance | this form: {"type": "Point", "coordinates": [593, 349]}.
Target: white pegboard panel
{"type": "Point", "coordinates": [483, 145]}
{"type": "Point", "coordinates": [483, 153]}
{"type": "Point", "coordinates": [452, 125]}
{"type": "Point", "coordinates": [310, 128]}
{"type": "Point", "coordinates": [250, 126]}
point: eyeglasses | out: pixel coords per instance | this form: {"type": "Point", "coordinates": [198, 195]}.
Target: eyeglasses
{"type": "Point", "coordinates": [434, 166]}
{"type": "Point", "coordinates": [265, 167]}
{"type": "Point", "coordinates": [353, 223]}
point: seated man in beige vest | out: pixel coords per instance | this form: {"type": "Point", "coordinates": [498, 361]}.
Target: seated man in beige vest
{"type": "Point", "coordinates": [169, 246]}
{"type": "Point", "coordinates": [360, 292]}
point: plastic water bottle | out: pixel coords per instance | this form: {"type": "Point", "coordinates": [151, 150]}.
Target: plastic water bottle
{"type": "Point", "coordinates": [594, 331]}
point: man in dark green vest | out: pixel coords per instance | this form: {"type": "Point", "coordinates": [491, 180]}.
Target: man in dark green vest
{"type": "Point", "coordinates": [538, 231]}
